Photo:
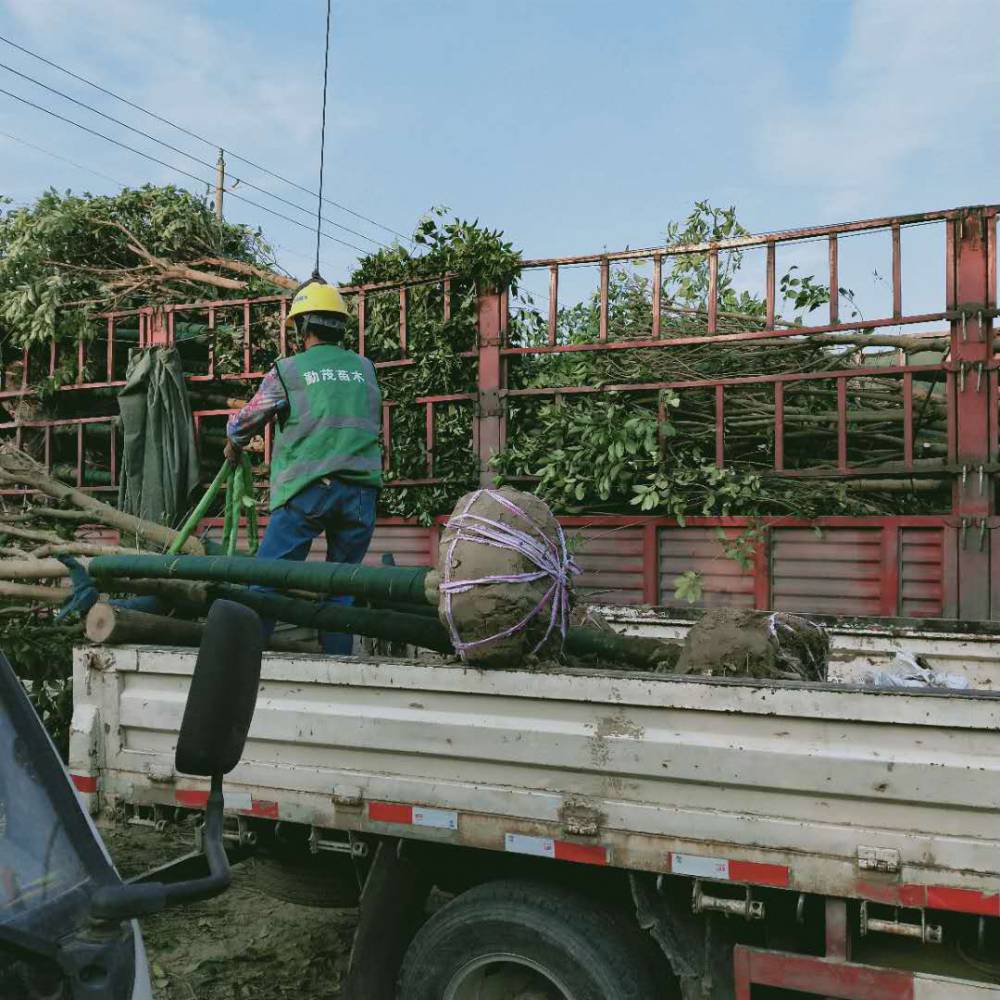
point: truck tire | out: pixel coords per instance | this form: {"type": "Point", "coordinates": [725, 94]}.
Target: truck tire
{"type": "Point", "coordinates": [526, 941]}
{"type": "Point", "coordinates": [307, 879]}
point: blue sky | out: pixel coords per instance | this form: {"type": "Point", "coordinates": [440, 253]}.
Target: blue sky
{"type": "Point", "coordinates": [573, 126]}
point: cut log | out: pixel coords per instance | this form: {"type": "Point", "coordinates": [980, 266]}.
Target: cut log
{"type": "Point", "coordinates": [113, 626]}
{"type": "Point", "coordinates": [116, 626]}
{"type": "Point", "coordinates": [29, 592]}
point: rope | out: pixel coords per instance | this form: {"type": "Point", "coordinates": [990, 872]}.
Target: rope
{"type": "Point", "coordinates": [322, 138]}
{"type": "Point", "coordinates": [549, 556]}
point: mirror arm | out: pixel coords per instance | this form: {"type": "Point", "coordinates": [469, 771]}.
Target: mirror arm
{"type": "Point", "coordinates": [123, 902]}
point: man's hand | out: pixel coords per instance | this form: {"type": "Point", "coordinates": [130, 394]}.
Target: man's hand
{"type": "Point", "coordinates": [233, 452]}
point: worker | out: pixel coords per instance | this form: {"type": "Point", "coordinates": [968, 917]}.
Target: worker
{"type": "Point", "coordinates": [326, 459]}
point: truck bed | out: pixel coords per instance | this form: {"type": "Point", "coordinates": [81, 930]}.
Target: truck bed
{"type": "Point", "coordinates": [884, 795]}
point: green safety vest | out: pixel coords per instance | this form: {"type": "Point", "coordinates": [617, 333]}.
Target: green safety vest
{"type": "Point", "coordinates": [332, 425]}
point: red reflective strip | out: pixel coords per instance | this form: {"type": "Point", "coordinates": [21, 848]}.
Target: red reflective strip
{"type": "Point", "coordinates": [84, 783]}
{"type": "Point", "coordinates": [963, 900]}
{"type": "Point", "coordinates": [584, 854]}
{"type": "Point", "coordinates": [264, 809]}
{"type": "Point", "coordinates": [760, 874]}
{"type": "Point", "coordinates": [389, 812]}
{"type": "Point", "coordinates": [934, 897]}
{"type": "Point", "coordinates": [193, 798]}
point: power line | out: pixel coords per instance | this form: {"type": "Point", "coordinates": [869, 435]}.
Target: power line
{"type": "Point", "coordinates": [170, 166]}
{"type": "Point", "coordinates": [322, 137]}
{"type": "Point", "coordinates": [175, 149]}
{"type": "Point", "coordinates": [56, 156]}
{"type": "Point", "coordinates": [200, 138]}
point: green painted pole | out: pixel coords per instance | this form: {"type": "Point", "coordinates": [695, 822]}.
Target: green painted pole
{"type": "Point", "coordinates": [394, 584]}
{"type": "Point", "coordinates": [199, 512]}
{"type": "Point", "coordinates": [376, 623]}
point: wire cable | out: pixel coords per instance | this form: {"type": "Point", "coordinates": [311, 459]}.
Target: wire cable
{"type": "Point", "coordinates": [170, 166]}
{"type": "Point", "coordinates": [56, 156]}
{"type": "Point", "coordinates": [175, 149]}
{"type": "Point", "coordinates": [195, 135]}
{"type": "Point", "coordinates": [322, 137]}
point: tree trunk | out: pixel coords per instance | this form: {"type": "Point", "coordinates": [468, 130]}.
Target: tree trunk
{"type": "Point", "coordinates": [19, 468]}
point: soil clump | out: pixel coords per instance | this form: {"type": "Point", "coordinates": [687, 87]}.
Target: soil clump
{"type": "Point", "coordinates": [727, 642]}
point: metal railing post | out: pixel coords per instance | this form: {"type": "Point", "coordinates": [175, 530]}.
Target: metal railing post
{"type": "Point", "coordinates": [973, 503]}
{"type": "Point", "coordinates": [489, 411]}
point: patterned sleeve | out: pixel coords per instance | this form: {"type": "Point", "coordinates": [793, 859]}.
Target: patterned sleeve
{"type": "Point", "coordinates": [269, 400]}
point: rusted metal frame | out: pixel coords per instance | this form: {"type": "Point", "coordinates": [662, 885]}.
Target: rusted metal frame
{"type": "Point", "coordinates": [908, 420]}
{"type": "Point", "coordinates": [402, 322]}
{"type": "Point", "coordinates": [79, 455]}
{"type": "Point", "coordinates": [282, 331]}
{"type": "Point", "coordinates": [429, 437]}
{"type": "Point", "coordinates": [650, 564]}
{"type": "Point", "coordinates": [113, 454]}
{"type": "Point", "coordinates": [762, 572]}
{"type": "Point", "coordinates": [972, 351]}
{"type": "Point", "coordinates": [657, 293]}
{"type": "Point", "coordinates": [842, 424]}
{"type": "Point", "coordinates": [386, 435]}
{"type": "Point", "coordinates": [246, 337]}
{"type": "Point", "coordinates": [818, 376]}
{"type": "Point", "coordinates": [720, 426]}
{"type": "Point", "coordinates": [834, 280]}
{"type": "Point", "coordinates": [889, 593]}
{"type": "Point", "coordinates": [770, 292]}
{"type": "Point", "coordinates": [816, 976]}
{"type": "Point", "coordinates": [602, 332]}
{"type": "Point", "coordinates": [57, 422]}
{"type": "Point", "coordinates": [746, 242]}
{"type": "Point", "coordinates": [362, 322]}
{"type": "Point", "coordinates": [779, 426]}
{"type": "Point", "coordinates": [490, 419]}
{"type": "Point", "coordinates": [762, 336]}
{"type": "Point", "coordinates": [212, 338]}
{"type": "Point", "coordinates": [713, 291]}
{"type": "Point", "coordinates": [897, 274]}
{"type": "Point", "coordinates": [553, 303]}
{"type": "Point", "coordinates": [110, 350]}
{"type": "Point", "coordinates": [81, 359]}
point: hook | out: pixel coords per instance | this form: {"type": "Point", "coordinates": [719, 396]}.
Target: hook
{"type": "Point", "coordinates": [965, 530]}
{"type": "Point", "coordinates": [982, 534]}
{"type": "Point", "coordinates": [979, 376]}
{"type": "Point", "coordinates": [961, 376]}
{"type": "Point", "coordinates": [965, 475]}
{"type": "Point", "coordinates": [965, 332]}
{"type": "Point", "coordinates": [982, 479]}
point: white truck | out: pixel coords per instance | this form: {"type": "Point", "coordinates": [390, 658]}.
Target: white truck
{"type": "Point", "coordinates": [601, 835]}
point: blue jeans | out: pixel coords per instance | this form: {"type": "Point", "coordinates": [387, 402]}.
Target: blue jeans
{"type": "Point", "coordinates": [345, 512]}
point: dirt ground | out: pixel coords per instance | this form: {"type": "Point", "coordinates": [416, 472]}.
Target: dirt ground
{"type": "Point", "coordinates": [242, 945]}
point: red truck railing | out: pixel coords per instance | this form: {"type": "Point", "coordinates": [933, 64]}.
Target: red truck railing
{"type": "Point", "coordinates": [244, 336]}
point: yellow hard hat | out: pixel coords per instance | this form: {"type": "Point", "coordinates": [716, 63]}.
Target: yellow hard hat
{"type": "Point", "coordinates": [316, 296]}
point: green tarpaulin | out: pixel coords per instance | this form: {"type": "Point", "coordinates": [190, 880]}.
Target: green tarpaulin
{"type": "Point", "coordinates": [159, 459]}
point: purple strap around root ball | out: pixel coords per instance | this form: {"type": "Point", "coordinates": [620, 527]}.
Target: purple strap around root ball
{"type": "Point", "coordinates": [553, 561]}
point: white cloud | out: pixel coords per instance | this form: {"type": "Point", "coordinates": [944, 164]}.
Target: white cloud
{"type": "Point", "coordinates": [913, 91]}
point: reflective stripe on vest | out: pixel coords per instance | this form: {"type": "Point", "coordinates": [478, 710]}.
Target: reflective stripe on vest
{"type": "Point", "coordinates": [333, 423]}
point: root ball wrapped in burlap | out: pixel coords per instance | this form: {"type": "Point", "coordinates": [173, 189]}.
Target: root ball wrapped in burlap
{"type": "Point", "coordinates": [731, 643]}
{"type": "Point", "coordinates": [505, 578]}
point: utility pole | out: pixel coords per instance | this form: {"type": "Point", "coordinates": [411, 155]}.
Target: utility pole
{"type": "Point", "coordinates": [220, 184]}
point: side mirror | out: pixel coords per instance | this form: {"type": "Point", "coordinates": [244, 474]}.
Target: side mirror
{"type": "Point", "coordinates": [217, 717]}
{"type": "Point", "coordinates": [223, 692]}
